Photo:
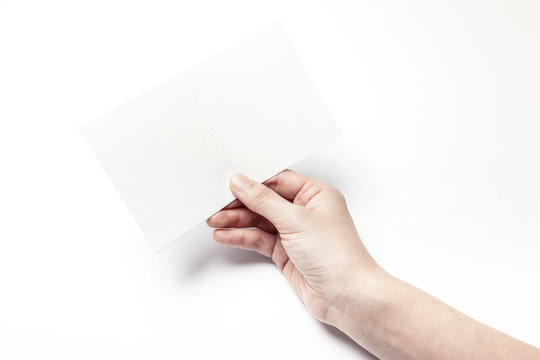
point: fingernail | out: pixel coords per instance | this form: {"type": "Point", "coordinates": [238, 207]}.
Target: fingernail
{"type": "Point", "coordinates": [240, 183]}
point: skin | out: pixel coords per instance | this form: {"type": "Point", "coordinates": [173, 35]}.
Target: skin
{"type": "Point", "coordinates": [305, 227]}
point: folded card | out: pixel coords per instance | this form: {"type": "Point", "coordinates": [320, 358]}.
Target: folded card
{"type": "Point", "coordinates": [170, 152]}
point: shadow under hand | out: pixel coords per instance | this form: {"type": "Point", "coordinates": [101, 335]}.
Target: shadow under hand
{"type": "Point", "coordinates": [336, 333]}
{"type": "Point", "coordinates": [197, 252]}
{"type": "Point", "coordinates": [217, 253]}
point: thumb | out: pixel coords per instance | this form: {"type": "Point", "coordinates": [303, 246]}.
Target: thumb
{"type": "Point", "coordinates": [260, 199]}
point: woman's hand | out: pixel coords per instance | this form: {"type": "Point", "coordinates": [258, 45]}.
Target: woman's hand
{"type": "Point", "coordinates": [305, 227]}
{"type": "Point", "coordinates": [302, 224]}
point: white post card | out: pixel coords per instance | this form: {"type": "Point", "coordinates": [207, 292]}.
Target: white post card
{"type": "Point", "coordinates": [170, 152]}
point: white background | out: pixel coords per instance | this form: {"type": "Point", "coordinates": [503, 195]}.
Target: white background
{"type": "Point", "coordinates": [438, 102]}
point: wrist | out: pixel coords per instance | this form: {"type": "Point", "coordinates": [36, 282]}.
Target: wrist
{"type": "Point", "coordinates": [355, 314]}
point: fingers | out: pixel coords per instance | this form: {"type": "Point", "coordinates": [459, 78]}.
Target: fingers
{"type": "Point", "coordinates": [255, 240]}
{"type": "Point", "coordinates": [240, 218]}
{"type": "Point", "coordinates": [234, 204]}
{"type": "Point", "coordinates": [288, 183]}
{"type": "Point", "coordinates": [248, 239]}
{"type": "Point", "coordinates": [262, 200]}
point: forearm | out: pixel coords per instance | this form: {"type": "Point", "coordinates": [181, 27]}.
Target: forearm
{"type": "Point", "coordinates": [395, 320]}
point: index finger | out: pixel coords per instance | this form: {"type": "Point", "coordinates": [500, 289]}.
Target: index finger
{"type": "Point", "coordinates": [287, 183]}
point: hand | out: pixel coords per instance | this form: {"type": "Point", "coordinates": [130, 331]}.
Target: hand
{"type": "Point", "coordinates": [304, 226]}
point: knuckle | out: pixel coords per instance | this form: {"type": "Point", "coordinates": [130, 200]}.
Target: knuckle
{"type": "Point", "coordinates": [335, 193]}
{"type": "Point", "coordinates": [260, 197]}
{"type": "Point", "coordinates": [236, 218]}
{"type": "Point", "coordinates": [240, 236]}
{"type": "Point", "coordinates": [340, 196]}
{"type": "Point", "coordinates": [255, 242]}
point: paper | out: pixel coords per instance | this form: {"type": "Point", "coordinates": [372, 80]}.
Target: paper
{"type": "Point", "coordinates": [170, 152]}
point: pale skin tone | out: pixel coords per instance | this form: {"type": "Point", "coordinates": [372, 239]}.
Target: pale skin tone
{"type": "Point", "coordinates": [304, 226]}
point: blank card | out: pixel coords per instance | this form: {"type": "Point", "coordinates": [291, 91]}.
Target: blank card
{"type": "Point", "coordinates": [170, 152]}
